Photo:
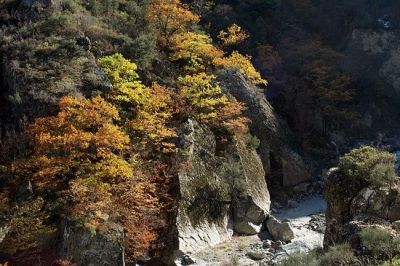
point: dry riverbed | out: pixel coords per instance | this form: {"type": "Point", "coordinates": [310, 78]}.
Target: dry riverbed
{"type": "Point", "coordinates": [307, 220]}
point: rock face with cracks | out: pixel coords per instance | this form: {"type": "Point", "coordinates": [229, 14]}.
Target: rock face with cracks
{"type": "Point", "coordinates": [221, 190]}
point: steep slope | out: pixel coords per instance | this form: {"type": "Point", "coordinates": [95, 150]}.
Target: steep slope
{"type": "Point", "coordinates": [276, 140]}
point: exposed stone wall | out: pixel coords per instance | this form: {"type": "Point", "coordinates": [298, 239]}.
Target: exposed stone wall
{"type": "Point", "coordinates": [220, 192]}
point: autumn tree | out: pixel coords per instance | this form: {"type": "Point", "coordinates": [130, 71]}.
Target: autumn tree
{"type": "Point", "coordinates": [83, 146]}
{"type": "Point", "coordinates": [232, 118]}
{"type": "Point", "coordinates": [199, 53]}
{"type": "Point", "coordinates": [88, 161]}
{"type": "Point", "coordinates": [128, 91]}
{"type": "Point", "coordinates": [147, 110]}
{"type": "Point", "coordinates": [203, 96]}
{"type": "Point", "coordinates": [152, 119]}
{"type": "Point", "coordinates": [233, 35]}
{"type": "Point", "coordinates": [195, 49]}
{"type": "Point", "coordinates": [206, 102]}
{"type": "Point", "coordinates": [170, 17]}
{"type": "Point", "coordinates": [330, 89]}
{"type": "Point", "coordinates": [243, 64]}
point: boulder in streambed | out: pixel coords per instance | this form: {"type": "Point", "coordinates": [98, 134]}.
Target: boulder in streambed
{"type": "Point", "coordinates": [280, 231]}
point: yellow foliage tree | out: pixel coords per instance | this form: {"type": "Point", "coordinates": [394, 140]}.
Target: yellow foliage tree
{"type": "Point", "coordinates": [153, 117]}
{"type": "Point", "coordinates": [147, 109]}
{"type": "Point", "coordinates": [170, 17]}
{"type": "Point", "coordinates": [203, 96]}
{"type": "Point", "coordinates": [233, 35]}
{"type": "Point", "coordinates": [244, 64]}
{"type": "Point", "coordinates": [127, 88]}
{"type": "Point", "coordinates": [205, 101]}
{"type": "Point", "coordinates": [196, 49]}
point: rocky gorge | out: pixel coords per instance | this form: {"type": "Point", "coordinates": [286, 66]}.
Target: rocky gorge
{"type": "Point", "coordinates": [237, 187]}
{"type": "Point", "coordinates": [286, 187]}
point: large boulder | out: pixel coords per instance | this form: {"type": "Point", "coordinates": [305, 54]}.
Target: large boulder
{"type": "Point", "coordinates": [276, 139]}
{"type": "Point", "coordinates": [339, 192]}
{"type": "Point", "coordinates": [280, 231]}
{"type": "Point", "coordinates": [383, 203]}
{"type": "Point", "coordinates": [221, 191]}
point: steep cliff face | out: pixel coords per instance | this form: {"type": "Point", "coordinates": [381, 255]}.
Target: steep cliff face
{"type": "Point", "coordinates": [203, 214]}
{"type": "Point", "coordinates": [277, 142]}
{"type": "Point", "coordinates": [222, 189]}
{"type": "Point", "coordinates": [41, 60]}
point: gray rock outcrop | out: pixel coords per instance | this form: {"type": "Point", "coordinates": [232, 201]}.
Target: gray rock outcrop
{"type": "Point", "coordinates": [276, 140]}
{"type": "Point", "coordinates": [221, 191]}
{"type": "Point", "coordinates": [251, 198]}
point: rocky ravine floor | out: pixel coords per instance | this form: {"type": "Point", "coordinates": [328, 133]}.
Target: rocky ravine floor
{"type": "Point", "coordinates": [307, 219]}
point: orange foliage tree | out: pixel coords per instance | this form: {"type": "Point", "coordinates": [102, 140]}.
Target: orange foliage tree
{"type": "Point", "coordinates": [169, 17]}
{"type": "Point", "coordinates": [84, 146]}
{"type": "Point", "coordinates": [85, 152]}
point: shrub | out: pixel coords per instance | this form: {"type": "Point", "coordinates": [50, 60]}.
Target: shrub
{"type": "Point", "coordinates": [235, 260]}
{"type": "Point", "coordinates": [394, 262]}
{"type": "Point", "coordinates": [380, 242]}
{"type": "Point", "coordinates": [253, 142]}
{"type": "Point", "coordinates": [300, 259]}
{"type": "Point", "coordinates": [339, 255]}
{"type": "Point", "coordinates": [59, 23]}
{"type": "Point", "coordinates": [369, 164]}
